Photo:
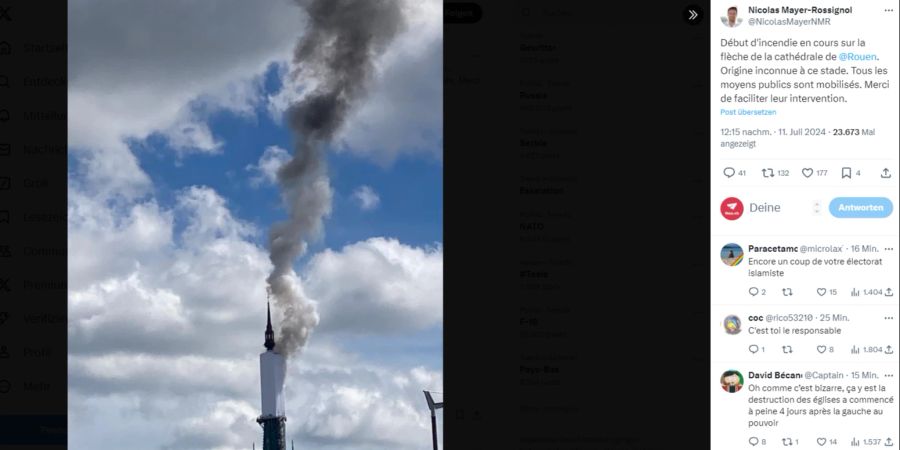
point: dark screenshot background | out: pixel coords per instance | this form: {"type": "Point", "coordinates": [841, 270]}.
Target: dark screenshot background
{"type": "Point", "coordinates": [576, 222]}
{"type": "Point", "coordinates": [32, 215]}
{"type": "Point", "coordinates": [576, 226]}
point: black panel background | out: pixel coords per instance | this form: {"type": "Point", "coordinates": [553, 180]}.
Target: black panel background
{"type": "Point", "coordinates": [637, 286]}
{"type": "Point", "coordinates": [33, 403]}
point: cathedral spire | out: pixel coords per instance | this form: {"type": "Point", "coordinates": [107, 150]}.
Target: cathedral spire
{"type": "Point", "coordinates": [270, 334]}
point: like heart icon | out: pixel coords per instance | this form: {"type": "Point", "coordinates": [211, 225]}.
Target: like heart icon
{"type": "Point", "coordinates": [821, 291]}
{"type": "Point", "coordinates": [821, 348]}
{"type": "Point", "coordinates": [820, 441]}
{"type": "Point", "coordinates": [807, 172]}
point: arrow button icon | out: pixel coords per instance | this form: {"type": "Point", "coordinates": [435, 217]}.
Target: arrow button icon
{"type": "Point", "coordinates": [693, 14]}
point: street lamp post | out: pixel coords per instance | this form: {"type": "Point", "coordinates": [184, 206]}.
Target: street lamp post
{"type": "Point", "coordinates": [432, 405]}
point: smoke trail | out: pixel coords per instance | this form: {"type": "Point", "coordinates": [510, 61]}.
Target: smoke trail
{"type": "Point", "coordinates": [337, 52]}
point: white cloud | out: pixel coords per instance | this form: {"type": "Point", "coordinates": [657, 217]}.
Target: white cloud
{"type": "Point", "coordinates": [146, 374]}
{"type": "Point", "coordinates": [165, 328]}
{"type": "Point", "coordinates": [135, 286]}
{"type": "Point", "coordinates": [196, 402]}
{"type": "Point", "coordinates": [126, 310]}
{"type": "Point", "coordinates": [265, 171]}
{"type": "Point", "coordinates": [367, 198]}
{"type": "Point", "coordinates": [209, 218]}
{"type": "Point", "coordinates": [403, 112]}
{"type": "Point", "coordinates": [359, 406]}
{"type": "Point", "coordinates": [377, 286]}
{"type": "Point", "coordinates": [109, 169]}
{"type": "Point", "coordinates": [108, 240]}
{"type": "Point", "coordinates": [143, 68]}
{"type": "Point", "coordinates": [192, 135]}
{"type": "Point", "coordinates": [224, 426]}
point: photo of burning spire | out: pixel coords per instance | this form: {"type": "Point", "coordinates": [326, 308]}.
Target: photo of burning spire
{"type": "Point", "coordinates": [255, 224]}
{"type": "Point", "coordinates": [337, 53]}
{"type": "Point", "coordinates": [338, 50]}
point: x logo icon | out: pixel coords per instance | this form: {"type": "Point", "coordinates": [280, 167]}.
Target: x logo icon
{"type": "Point", "coordinates": [4, 285]}
{"type": "Point", "coordinates": [4, 13]}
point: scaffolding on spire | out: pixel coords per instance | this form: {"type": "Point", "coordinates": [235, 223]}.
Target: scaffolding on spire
{"type": "Point", "coordinates": [272, 370]}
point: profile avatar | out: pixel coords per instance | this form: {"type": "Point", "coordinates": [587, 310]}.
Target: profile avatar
{"type": "Point", "coordinates": [732, 208]}
{"type": "Point", "coordinates": [732, 254]}
{"type": "Point", "coordinates": [730, 20]}
{"type": "Point", "coordinates": [732, 325]}
{"type": "Point", "coordinates": [732, 381]}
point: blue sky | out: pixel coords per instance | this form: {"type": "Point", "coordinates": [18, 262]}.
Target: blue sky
{"type": "Point", "coordinates": [410, 210]}
{"type": "Point", "coordinates": [410, 187]}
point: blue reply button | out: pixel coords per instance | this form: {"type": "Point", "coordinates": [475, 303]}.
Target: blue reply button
{"type": "Point", "coordinates": [861, 207]}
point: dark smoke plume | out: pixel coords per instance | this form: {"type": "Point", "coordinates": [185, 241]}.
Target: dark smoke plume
{"type": "Point", "coordinates": [336, 55]}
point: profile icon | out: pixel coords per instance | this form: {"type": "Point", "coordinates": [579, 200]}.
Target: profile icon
{"type": "Point", "coordinates": [732, 381]}
{"type": "Point", "coordinates": [732, 324]}
{"type": "Point", "coordinates": [732, 254]}
{"type": "Point", "coordinates": [732, 208]}
{"type": "Point", "coordinates": [730, 19]}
